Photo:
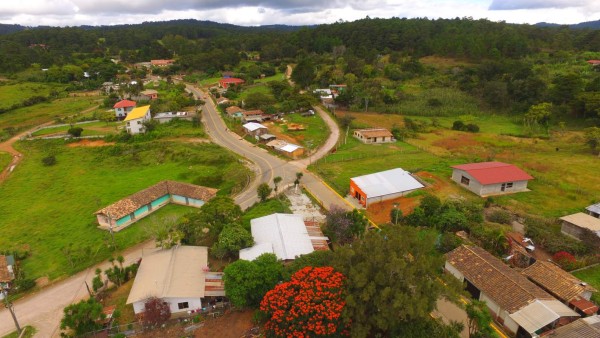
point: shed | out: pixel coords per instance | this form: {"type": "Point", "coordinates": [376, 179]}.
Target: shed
{"type": "Point", "coordinates": [382, 186]}
{"type": "Point", "coordinates": [491, 178]}
{"type": "Point", "coordinates": [255, 129]}
{"type": "Point", "coordinates": [285, 235]}
{"type": "Point", "coordinates": [150, 94]}
{"type": "Point", "coordinates": [593, 210]}
{"type": "Point", "coordinates": [252, 116]}
{"type": "Point", "coordinates": [578, 225]}
{"type": "Point", "coordinates": [374, 135]}
{"type": "Point", "coordinates": [169, 116]}
{"type": "Point", "coordinates": [267, 137]}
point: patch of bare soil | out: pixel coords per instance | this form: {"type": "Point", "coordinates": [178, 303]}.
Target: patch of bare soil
{"type": "Point", "coordinates": [457, 141]}
{"type": "Point", "coordinates": [233, 324]}
{"type": "Point", "coordinates": [277, 130]}
{"type": "Point", "coordinates": [90, 143]}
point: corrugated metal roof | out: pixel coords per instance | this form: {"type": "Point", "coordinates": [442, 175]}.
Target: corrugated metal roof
{"type": "Point", "coordinates": [290, 148]}
{"type": "Point", "coordinates": [583, 221]}
{"type": "Point", "coordinates": [594, 208]}
{"type": "Point", "coordinates": [534, 316]}
{"type": "Point", "coordinates": [258, 249]}
{"type": "Point", "coordinates": [582, 328]}
{"type": "Point", "coordinates": [177, 272]}
{"type": "Point", "coordinates": [285, 232]}
{"type": "Point", "coordinates": [494, 172]}
{"type": "Point", "coordinates": [137, 113]}
{"type": "Point", "coordinates": [252, 126]}
{"type": "Point", "coordinates": [387, 182]}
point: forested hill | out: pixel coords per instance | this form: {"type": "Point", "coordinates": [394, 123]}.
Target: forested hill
{"type": "Point", "coordinates": [6, 29]}
{"type": "Point", "coordinates": [212, 45]}
{"type": "Point", "coordinates": [587, 24]}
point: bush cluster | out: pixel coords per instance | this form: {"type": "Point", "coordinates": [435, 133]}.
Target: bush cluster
{"type": "Point", "coordinates": [461, 126]}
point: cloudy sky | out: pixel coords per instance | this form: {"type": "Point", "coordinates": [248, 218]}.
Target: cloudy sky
{"type": "Point", "coordinates": [292, 12]}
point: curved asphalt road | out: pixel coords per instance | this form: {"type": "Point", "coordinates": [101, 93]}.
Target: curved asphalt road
{"type": "Point", "coordinates": [267, 166]}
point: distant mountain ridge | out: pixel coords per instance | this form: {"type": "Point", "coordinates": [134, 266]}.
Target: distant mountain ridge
{"type": "Point", "coordinates": [581, 25]}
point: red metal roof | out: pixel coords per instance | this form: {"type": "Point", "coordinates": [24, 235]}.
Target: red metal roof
{"type": "Point", "coordinates": [231, 80]}
{"type": "Point", "coordinates": [494, 172]}
{"type": "Point", "coordinates": [124, 104]}
{"type": "Point", "coordinates": [584, 305]}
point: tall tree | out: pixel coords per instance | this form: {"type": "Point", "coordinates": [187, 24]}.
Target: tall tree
{"type": "Point", "coordinates": [392, 279]}
{"type": "Point", "coordinates": [82, 317]}
{"type": "Point", "coordinates": [246, 282]}
{"type": "Point", "coordinates": [304, 73]}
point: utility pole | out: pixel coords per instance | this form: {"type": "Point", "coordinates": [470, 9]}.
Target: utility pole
{"type": "Point", "coordinates": [10, 308]}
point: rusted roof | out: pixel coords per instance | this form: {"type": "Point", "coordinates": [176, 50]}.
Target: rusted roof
{"type": "Point", "coordinates": [555, 280]}
{"type": "Point", "coordinates": [505, 286]}
{"type": "Point", "coordinates": [233, 109]}
{"type": "Point", "coordinates": [252, 112]}
{"type": "Point", "coordinates": [494, 172]}
{"type": "Point", "coordinates": [584, 305]}
{"type": "Point", "coordinates": [377, 132]}
{"type": "Point", "coordinates": [213, 284]}
{"type": "Point", "coordinates": [5, 275]}
{"type": "Point", "coordinates": [131, 203]}
{"type": "Point", "coordinates": [318, 240]}
{"type": "Point", "coordinates": [582, 328]}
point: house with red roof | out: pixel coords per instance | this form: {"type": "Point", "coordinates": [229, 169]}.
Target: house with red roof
{"type": "Point", "coordinates": [491, 178]}
{"type": "Point", "coordinates": [123, 107]}
{"type": "Point", "coordinates": [230, 81]}
{"type": "Point", "coordinates": [594, 62]}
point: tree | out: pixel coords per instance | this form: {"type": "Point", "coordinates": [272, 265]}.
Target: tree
{"type": "Point", "coordinates": [263, 191]}
{"type": "Point", "coordinates": [156, 312]}
{"type": "Point", "coordinates": [391, 279]}
{"type": "Point", "coordinates": [165, 232]}
{"type": "Point", "coordinates": [209, 220]}
{"type": "Point", "coordinates": [479, 320]}
{"type": "Point", "coordinates": [276, 181]}
{"type": "Point", "coordinates": [75, 131]}
{"type": "Point", "coordinates": [231, 240]}
{"type": "Point", "coordinates": [298, 177]}
{"type": "Point", "coordinates": [97, 282]}
{"type": "Point", "coordinates": [592, 138]}
{"type": "Point", "coordinates": [247, 282]}
{"type": "Point", "coordinates": [344, 226]}
{"type": "Point", "coordinates": [538, 114]}
{"type": "Point", "coordinates": [82, 317]}
{"type": "Point", "coordinates": [304, 73]}
{"type": "Point", "coordinates": [310, 304]}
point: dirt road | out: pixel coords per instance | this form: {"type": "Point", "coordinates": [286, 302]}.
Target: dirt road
{"type": "Point", "coordinates": [44, 309]}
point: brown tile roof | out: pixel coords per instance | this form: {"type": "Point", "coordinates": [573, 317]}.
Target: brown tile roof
{"type": "Point", "coordinates": [233, 109]}
{"type": "Point", "coordinates": [252, 112]}
{"type": "Point", "coordinates": [5, 275]}
{"type": "Point", "coordinates": [505, 286]}
{"type": "Point", "coordinates": [131, 203]}
{"type": "Point", "coordinates": [555, 280]}
{"type": "Point", "coordinates": [379, 132]}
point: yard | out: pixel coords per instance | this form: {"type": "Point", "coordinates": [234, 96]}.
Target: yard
{"type": "Point", "coordinates": [47, 209]}
{"type": "Point", "coordinates": [565, 171]}
{"type": "Point", "coordinates": [5, 159]}
{"type": "Point", "coordinates": [92, 128]}
{"type": "Point", "coordinates": [11, 94]}
{"type": "Point", "coordinates": [592, 277]}
{"type": "Point", "coordinates": [313, 136]}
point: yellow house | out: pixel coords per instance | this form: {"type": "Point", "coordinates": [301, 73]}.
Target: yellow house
{"type": "Point", "coordinates": [134, 122]}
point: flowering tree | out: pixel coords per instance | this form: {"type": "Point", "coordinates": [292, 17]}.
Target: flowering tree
{"type": "Point", "coordinates": [565, 260]}
{"type": "Point", "coordinates": [309, 305]}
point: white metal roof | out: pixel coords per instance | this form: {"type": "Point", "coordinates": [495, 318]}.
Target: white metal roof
{"type": "Point", "coordinates": [540, 313]}
{"type": "Point", "coordinates": [258, 249]}
{"type": "Point", "coordinates": [252, 126]}
{"type": "Point", "coordinates": [387, 182]}
{"type": "Point", "coordinates": [286, 233]}
{"type": "Point", "coordinates": [177, 273]}
{"type": "Point", "coordinates": [290, 148]}
{"type": "Point", "coordinates": [594, 208]}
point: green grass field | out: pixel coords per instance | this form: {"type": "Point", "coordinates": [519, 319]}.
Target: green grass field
{"type": "Point", "coordinates": [11, 94]}
{"type": "Point", "coordinates": [4, 160]}
{"type": "Point", "coordinates": [45, 112]}
{"type": "Point", "coordinates": [259, 88]}
{"type": "Point", "coordinates": [93, 128]}
{"type": "Point", "coordinates": [45, 209]}
{"type": "Point", "coordinates": [29, 332]}
{"type": "Point", "coordinates": [592, 277]}
{"type": "Point", "coordinates": [276, 77]}
{"type": "Point", "coordinates": [316, 130]}
{"type": "Point", "coordinates": [454, 102]}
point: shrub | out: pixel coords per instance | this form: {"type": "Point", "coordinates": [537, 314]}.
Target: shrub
{"type": "Point", "coordinates": [75, 131]}
{"type": "Point", "coordinates": [156, 312]}
{"type": "Point", "coordinates": [49, 160]}
{"type": "Point", "coordinates": [24, 284]}
{"type": "Point", "coordinates": [458, 125]}
{"type": "Point", "coordinates": [472, 128]}
{"type": "Point", "coordinates": [565, 260]}
{"type": "Point", "coordinates": [500, 216]}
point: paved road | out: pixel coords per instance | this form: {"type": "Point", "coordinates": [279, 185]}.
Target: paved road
{"type": "Point", "coordinates": [44, 309]}
{"type": "Point", "coordinates": [267, 166]}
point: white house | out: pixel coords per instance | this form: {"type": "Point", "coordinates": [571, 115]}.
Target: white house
{"type": "Point", "coordinates": [178, 276]}
{"type": "Point", "coordinates": [523, 308]}
{"type": "Point", "coordinates": [255, 129]}
{"type": "Point", "coordinates": [123, 108]}
{"type": "Point", "coordinates": [285, 235]}
{"type": "Point", "coordinates": [374, 135]}
{"type": "Point", "coordinates": [169, 116]}
{"type": "Point", "coordinates": [134, 122]}
{"type": "Point", "coordinates": [491, 178]}
{"type": "Point", "coordinates": [382, 186]}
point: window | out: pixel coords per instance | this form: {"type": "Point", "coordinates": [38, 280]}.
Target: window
{"type": "Point", "coordinates": [183, 305]}
{"type": "Point", "coordinates": [128, 124]}
{"type": "Point", "coordinates": [509, 185]}
{"type": "Point", "coordinates": [465, 180]}
{"type": "Point", "coordinates": [139, 122]}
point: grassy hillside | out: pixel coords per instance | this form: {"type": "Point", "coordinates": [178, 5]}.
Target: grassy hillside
{"type": "Point", "coordinates": [11, 94]}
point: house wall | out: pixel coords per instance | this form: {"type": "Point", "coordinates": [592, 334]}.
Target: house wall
{"type": "Point", "coordinates": [192, 202]}
{"type": "Point", "coordinates": [193, 304]}
{"type": "Point", "coordinates": [377, 199]}
{"type": "Point", "coordinates": [123, 220]}
{"type": "Point", "coordinates": [103, 220]}
{"type": "Point", "coordinates": [587, 295]}
{"type": "Point", "coordinates": [450, 268]}
{"type": "Point", "coordinates": [161, 201]}
{"type": "Point", "coordinates": [121, 113]}
{"type": "Point", "coordinates": [355, 189]}
{"type": "Point", "coordinates": [489, 189]}
{"type": "Point", "coordinates": [572, 230]}
{"type": "Point", "coordinates": [141, 211]}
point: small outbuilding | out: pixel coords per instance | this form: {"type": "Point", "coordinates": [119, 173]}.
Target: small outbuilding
{"type": "Point", "coordinates": [382, 186]}
{"type": "Point", "coordinates": [252, 116]}
{"type": "Point", "coordinates": [134, 122]}
{"type": "Point", "coordinates": [579, 225]}
{"type": "Point", "coordinates": [234, 112]}
{"type": "Point", "coordinates": [374, 135]}
{"type": "Point", "coordinates": [169, 116]}
{"type": "Point", "coordinates": [149, 94]}
{"type": "Point", "coordinates": [255, 129]}
{"type": "Point", "coordinates": [285, 235]}
{"type": "Point", "coordinates": [491, 178]}
{"type": "Point", "coordinates": [288, 149]}
{"type": "Point", "coordinates": [593, 210]}
{"type": "Point", "coordinates": [123, 107]}
{"type": "Point", "coordinates": [230, 81]}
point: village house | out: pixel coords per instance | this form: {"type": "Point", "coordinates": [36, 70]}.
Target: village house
{"type": "Point", "coordinates": [594, 62]}
{"type": "Point", "coordinates": [579, 225]}
{"type": "Point", "coordinates": [288, 149]}
{"type": "Point", "coordinates": [7, 272]}
{"type": "Point", "coordinates": [285, 235]}
{"type": "Point", "coordinates": [520, 306]}
{"type": "Point", "coordinates": [593, 210]}
{"type": "Point", "coordinates": [179, 276]}
{"type": "Point", "coordinates": [149, 94]}
{"type": "Point", "coordinates": [223, 100]}
{"type": "Point", "coordinates": [129, 210]}
{"type": "Point", "coordinates": [161, 63]}
{"type": "Point", "coordinates": [134, 122]}
{"type": "Point", "coordinates": [374, 135]}
{"type": "Point", "coordinates": [563, 286]}
{"type": "Point", "coordinates": [252, 116]}
{"type": "Point", "coordinates": [234, 112]}
{"type": "Point", "coordinates": [491, 178]}
{"type": "Point", "coordinates": [382, 186]}
{"type": "Point", "coordinates": [581, 328]}
{"type": "Point", "coordinates": [255, 129]}
{"type": "Point", "coordinates": [122, 108]}
{"type": "Point", "coordinates": [230, 81]}
{"type": "Point", "coordinates": [169, 116]}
